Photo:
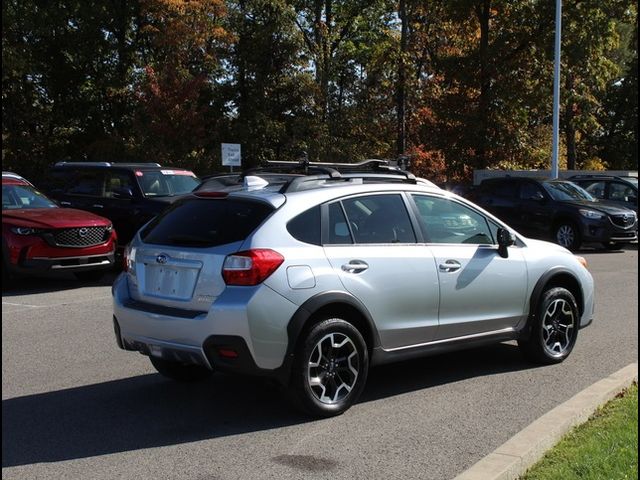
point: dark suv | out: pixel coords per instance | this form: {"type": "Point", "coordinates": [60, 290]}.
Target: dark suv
{"type": "Point", "coordinates": [620, 190]}
{"type": "Point", "coordinates": [556, 209]}
{"type": "Point", "coordinates": [129, 194]}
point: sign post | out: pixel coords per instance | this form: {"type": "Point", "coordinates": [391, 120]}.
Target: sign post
{"type": "Point", "coordinates": [231, 155]}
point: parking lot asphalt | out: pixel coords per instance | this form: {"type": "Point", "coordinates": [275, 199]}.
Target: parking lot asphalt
{"type": "Point", "coordinates": [75, 406]}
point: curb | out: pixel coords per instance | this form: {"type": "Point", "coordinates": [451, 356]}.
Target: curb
{"type": "Point", "coordinates": [525, 448]}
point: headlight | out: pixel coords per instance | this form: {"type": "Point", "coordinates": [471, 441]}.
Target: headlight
{"type": "Point", "coordinates": [25, 230]}
{"type": "Point", "coordinates": [591, 214]}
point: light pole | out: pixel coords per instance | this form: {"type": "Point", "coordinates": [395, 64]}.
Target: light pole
{"type": "Point", "coordinates": [556, 91]}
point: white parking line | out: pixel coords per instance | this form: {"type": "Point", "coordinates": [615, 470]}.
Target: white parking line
{"type": "Point", "coordinates": [56, 304]}
{"type": "Point", "coordinates": [21, 305]}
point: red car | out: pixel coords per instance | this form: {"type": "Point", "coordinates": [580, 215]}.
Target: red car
{"type": "Point", "coordinates": [38, 236]}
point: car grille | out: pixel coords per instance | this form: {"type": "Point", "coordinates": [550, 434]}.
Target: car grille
{"type": "Point", "coordinates": [79, 237]}
{"type": "Point", "coordinates": [626, 220]}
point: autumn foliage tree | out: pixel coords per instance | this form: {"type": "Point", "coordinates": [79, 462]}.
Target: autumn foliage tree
{"type": "Point", "coordinates": [455, 85]}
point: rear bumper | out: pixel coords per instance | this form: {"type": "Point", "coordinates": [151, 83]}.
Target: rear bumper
{"type": "Point", "coordinates": [235, 322]}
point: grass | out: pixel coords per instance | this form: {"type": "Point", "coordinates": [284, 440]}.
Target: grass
{"type": "Point", "coordinates": [603, 448]}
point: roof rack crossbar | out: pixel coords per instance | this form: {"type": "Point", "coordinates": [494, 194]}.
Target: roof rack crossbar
{"type": "Point", "coordinates": [305, 165]}
{"type": "Point", "coordinates": [107, 164]}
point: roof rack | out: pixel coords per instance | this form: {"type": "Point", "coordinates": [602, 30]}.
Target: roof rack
{"type": "Point", "coordinates": [106, 164]}
{"type": "Point", "coordinates": [323, 173]}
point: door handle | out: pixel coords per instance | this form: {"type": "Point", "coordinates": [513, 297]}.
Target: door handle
{"type": "Point", "coordinates": [450, 266]}
{"type": "Point", "coordinates": [97, 205]}
{"type": "Point", "coordinates": [355, 266]}
{"type": "Point", "coordinates": [66, 204]}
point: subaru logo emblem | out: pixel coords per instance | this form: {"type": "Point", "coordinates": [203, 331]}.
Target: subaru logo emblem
{"type": "Point", "coordinates": [83, 232]}
{"type": "Point", "coordinates": [162, 259]}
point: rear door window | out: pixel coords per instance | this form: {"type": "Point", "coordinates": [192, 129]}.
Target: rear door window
{"type": "Point", "coordinates": [89, 183]}
{"type": "Point", "coordinates": [379, 219]}
{"type": "Point", "coordinates": [196, 222]}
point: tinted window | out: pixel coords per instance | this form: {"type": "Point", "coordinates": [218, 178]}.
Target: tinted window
{"type": "Point", "coordinates": [621, 192]}
{"type": "Point", "coordinates": [306, 226]}
{"type": "Point", "coordinates": [379, 219]}
{"type": "Point", "coordinates": [166, 183]}
{"type": "Point", "coordinates": [117, 182]}
{"type": "Point", "coordinates": [595, 188]}
{"type": "Point", "coordinates": [446, 221]}
{"type": "Point", "coordinates": [529, 191]}
{"type": "Point", "coordinates": [505, 189]}
{"type": "Point", "coordinates": [206, 222]}
{"type": "Point", "coordinates": [339, 233]}
{"type": "Point", "coordinates": [87, 183]}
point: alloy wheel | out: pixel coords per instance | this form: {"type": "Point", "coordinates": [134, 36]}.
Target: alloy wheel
{"type": "Point", "coordinates": [558, 326]}
{"type": "Point", "coordinates": [333, 368]}
{"type": "Point", "coordinates": [565, 236]}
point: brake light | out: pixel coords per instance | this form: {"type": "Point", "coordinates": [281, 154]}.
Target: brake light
{"type": "Point", "coordinates": [250, 267]}
{"type": "Point", "coordinates": [129, 259]}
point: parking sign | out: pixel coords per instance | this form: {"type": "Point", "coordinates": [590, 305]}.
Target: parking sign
{"type": "Point", "coordinates": [231, 155]}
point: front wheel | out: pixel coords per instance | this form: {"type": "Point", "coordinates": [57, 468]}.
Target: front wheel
{"type": "Point", "coordinates": [182, 372]}
{"type": "Point", "coordinates": [330, 368]}
{"type": "Point", "coordinates": [555, 328]}
{"type": "Point", "coordinates": [567, 234]}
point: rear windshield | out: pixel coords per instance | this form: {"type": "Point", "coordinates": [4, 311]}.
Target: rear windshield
{"type": "Point", "coordinates": [197, 222]}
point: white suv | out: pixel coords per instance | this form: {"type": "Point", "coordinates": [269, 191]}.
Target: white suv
{"type": "Point", "coordinates": [313, 280]}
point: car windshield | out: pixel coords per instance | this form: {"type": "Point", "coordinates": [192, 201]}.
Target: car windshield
{"type": "Point", "coordinates": [166, 183]}
{"type": "Point", "coordinates": [567, 191]}
{"type": "Point", "coordinates": [633, 181]}
{"type": "Point", "coordinates": [16, 197]}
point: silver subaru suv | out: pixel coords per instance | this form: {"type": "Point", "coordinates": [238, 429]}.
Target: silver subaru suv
{"type": "Point", "coordinates": [316, 279]}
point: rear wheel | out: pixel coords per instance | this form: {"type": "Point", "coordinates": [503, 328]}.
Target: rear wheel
{"type": "Point", "coordinates": [555, 328]}
{"type": "Point", "coordinates": [567, 234]}
{"type": "Point", "coordinates": [182, 372]}
{"type": "Point", "coordinates": [330, 368]}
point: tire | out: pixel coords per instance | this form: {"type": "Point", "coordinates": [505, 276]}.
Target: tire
{"type": "Point", "coordinates": [555, 328]}
{"type": "Point", "coordinates": [181, 372]}
{"type": "Point", "coordinates": [567, 234]}
{"type": "Point", "coordinates": [90, 275]}
{"type": "Point", "coordinates": [330, 368]}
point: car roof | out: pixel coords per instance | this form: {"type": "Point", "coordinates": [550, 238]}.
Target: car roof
{"type": "Point", "coordinates": [595, 176]}
{"type": "Point", "coordinates": [117, 165]}
{"type": "Point", "coordinates": [10, 178]}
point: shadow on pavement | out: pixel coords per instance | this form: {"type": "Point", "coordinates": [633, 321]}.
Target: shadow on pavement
{"type": "Point", "coordinates": [148, 411]}
{"type": "Point", "coordinates": [52, 282]}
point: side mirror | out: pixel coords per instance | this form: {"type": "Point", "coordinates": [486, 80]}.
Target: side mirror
{"type": "Point", "coordinates": [122, 192]}
{"type": "Point", "coordinates": [505, 240]}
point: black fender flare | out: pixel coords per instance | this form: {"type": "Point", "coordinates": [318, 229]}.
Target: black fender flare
{"type": "Point", "coordinates": [538, 290]}
{"type": "Point", "coordinates": [311, 306]}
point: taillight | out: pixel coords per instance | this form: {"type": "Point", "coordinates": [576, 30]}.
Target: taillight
{"type": "Point", "coordinates": [250, 267]}
{"type": "Point", "coordinates": [129, 259]}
